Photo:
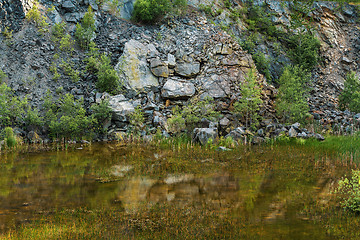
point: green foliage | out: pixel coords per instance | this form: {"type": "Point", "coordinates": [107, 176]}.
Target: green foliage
{"type": "Point", "coordinates": [108, 80]}
{"type": "Point", "coordinates": [191, 115]}
{"type": "Point", "coordinates": [52, 9]}
{"type": "Point", "coordinates": [304, 49]}
{"type": "Point", "coordinates": [66, 43]}
{"type": "Point", "coordinates": [250, 42]}
{"type": "Point", "coordinates": [208, 10]}
{"type": "Point", "coordinates": [350, 97]}
{"type": "Point", "coordinates": [12, 109]}
{"type": "Point", "coordinates": [34, 15]}
{"type": "Point", "coordinates": [3, 76]}
{"type": "Point", "coordinates": [54, 70]}
{"type": "Point", "coordinates": [250, 101]}
{"type": "Point", "coordinates": [7, 33]}
{"type": "Point", "coordinates": [260, 20]}
{"type": "Point", "coordinates": [176, 122]}
{"type": "Point", "coordinates": [262, 64]}
{"type": "Point", "coordinates": [199, 109]}
{"type": "Point", "coordinates": [33, 119]}
{"type": "Point", "coordinates": [349, 192]}
{"type": "Point", "coordinates": [227, 3]}
{"type": "Point", "coordinates": [227, 142]}
{"type": "Point", "coordinates": [151, 11]}
{"type": "Point", "coordinates": [58, 31]}
{"type": "Point", "coordinates": [85, 31]}
{"type": "Point", "coordinates": [67, 118]}
{"type": "Point", "coordinates": [92, 63]}
{"type": "Point", "coordinates": [137, 120]}
{"type": "Point", "coordinates": [292, 103]}
{"type": "Point", "coordinates": [69, 71]}
{"type": "Point", "coordinates": [9, 137]}
{"type": "Point", "coordinates": [101, 112]}
{"type": "Point", "coordinates": [113, 5]}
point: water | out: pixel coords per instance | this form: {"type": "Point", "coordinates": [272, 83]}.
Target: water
{"type": "Point", "coordinates": [259, 193]}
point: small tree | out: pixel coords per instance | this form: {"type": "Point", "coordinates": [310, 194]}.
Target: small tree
{"type": "Point", "coordinates": [250, 101]}
{"type": "Point", "coordinates": [108, 80]}
{"type": "Point", "coordinates": [291, 101]}
{"type": "Point", "coordinates": [350, 97]}
{"type": "Point", "coordinates": [85, 31]}
{"type": "Point", "coordinates": [12, 109]}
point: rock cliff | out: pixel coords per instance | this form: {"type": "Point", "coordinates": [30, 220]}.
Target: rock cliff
{"type": "Point", "coordinates": [182, 58]}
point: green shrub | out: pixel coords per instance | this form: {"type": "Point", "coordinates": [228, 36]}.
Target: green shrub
{"type": "Point", "coordinates": [198, 109]}
{"type": "Point", "coordinates": [9, 137]}
{"type": "Point", "coordinates": [291, 102]}
{"type": "Point", "coordinates": [350, 97]}
{"type": "Point", "coordinates": [176, 122]}
{"type": "Point", "coordinates": [249, 103]}
{"type": "Point", "coordinates": [66, 43]}
{"type": "Point", "coordinates": [262, 64]}
{"type": "Point", "coordinates": [108, 80]}
{"type": "Point", "coordinates": [137, 120]}
{"type": "Point", "coordinates": [54, 70]}
{"type": "Point", "coordinates": [34, 15]}
{"type": "Point", "coordinates": [249, 43]}
{"type": "Point", "coordinates": [260, 20]}
{"type": "Point", "coordinates": [33, 119]}
{"type": "Point", "coordinates": [12, 109]}
{"type": "Point", "coordinates": [304, 50]}
{"type": "Point", "coordinates": [69, 71]}
{"type": "Point", "coordinates": [101, 112]}
{"type": "Point", "coordinates": [85, 31]}
{"type": "Point", "coordinates": [58, 31]}
{"type": "Point", "coordinates": [113, 5]}
{"type": "Point", "coordinates": [349, 192]}
{"type": "Point", "coordinates": [151, 11]}
{"type": "Point", "coordinates": [67, 118]}
{"type": "Point", "coordinates": [191, 114]}
{"type": "Point", "coordinates": [7, 33]}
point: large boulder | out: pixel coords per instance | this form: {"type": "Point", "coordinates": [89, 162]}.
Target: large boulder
{"type": "Point", "coordinates": [120, 108]}
{"type": "Point", "coordinates": [133, 68]}
{"type": "Point", "coordinates": [203, 135]}
{"type": "Point", "coordinates": [178, 89]}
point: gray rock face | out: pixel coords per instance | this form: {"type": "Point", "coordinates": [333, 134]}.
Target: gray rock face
{"type": "Point", "coordinates": [68, 5]}
{"type": "Point", "coordinates": [120, 108]}
{"type": "Point", "coordinates": [178, 89]}
{"type": "Point", "coordinates": [133, 68]}
{"type": "Point", "coordinates": [72, 17]}
{"type": "Point", "coordinates": [127, 9]}
{"type": "Point", "coordinates": [187, 69]}
{"type": "Point", "coordinates": [215, 86]}
{"type": "Point", "coordinates": [12, 13]}
{"type": "Point", "coordinates": [203, 135]}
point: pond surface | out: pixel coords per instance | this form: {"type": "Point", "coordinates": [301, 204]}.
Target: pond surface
{"type": "Point", "coordinates": [257, 193]}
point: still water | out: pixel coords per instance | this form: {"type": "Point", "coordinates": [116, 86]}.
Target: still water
{"type": "Point", "coordinates": [187, 193]}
